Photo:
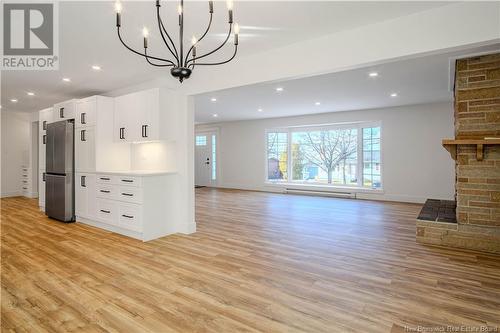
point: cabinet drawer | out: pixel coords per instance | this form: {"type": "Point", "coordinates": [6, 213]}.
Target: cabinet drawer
{"type": "Point", "coordinates": [105, 179]}
{"type": "Point", "coordinates": [129, 181]}
{"type": "Point", "coordinates": [129, 194]}
{"type": "Point", "coordinates": [107, 211]}
{"type": "Point", "coordinates": [106, 192]}
{"type": "Point", "coordinates": [130, 217]}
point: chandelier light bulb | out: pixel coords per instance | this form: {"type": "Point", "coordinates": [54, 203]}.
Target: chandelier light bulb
{"type": "Point", "coordinates": [118, 7]}
{"type": "Point", "coordinates": [194, 40]}
{"type": "Point", "coordinates": [230, 4]}
{"type": "Point", "coordinates": [145, 32]}
{"type": "Point", "coordinates": [236, 28]}
{"type": "Point", "coordinates": [179, 9]}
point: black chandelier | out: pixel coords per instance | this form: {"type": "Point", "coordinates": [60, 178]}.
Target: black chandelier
{"type": "Point", "coordinates": [182, 66]}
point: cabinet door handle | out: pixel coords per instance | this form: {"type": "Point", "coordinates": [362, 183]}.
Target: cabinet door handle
{"type": "Point", "coordinates": [128, 216]}
{"type": "Point", "coordinates": [44, 139]}
{"type": "Point", "coordinates": [122, 133]}
{"type": "Point", "coordinates": [144, 131]}
{"type": "Point", "coordinates": [128, 194]}
{"type": "Point", "coordinates": [82, 181]}
{"type": "Point", "coordinates": [61, 113]}
{"type": "Point", "coordinates": [44, 125]}
{"type": "Point", "coordinates": [127, 180]}
{"type": "Point", "coordinates": [105, 211]}
{"type": "Point", "coordinates": [104, 178]}
{"type": "Point", "coordinates": [104, 191]}
{"type": "Point", "coordinates": [25, 188]}
{"type": "Point", "coordinates": [83, 121]}
{"type": "Point", "coordinates": [82, 135]}
{"type": "Point", "coordinates": [43, 176]}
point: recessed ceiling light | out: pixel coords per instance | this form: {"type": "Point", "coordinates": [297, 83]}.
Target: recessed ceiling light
{"type": "Point", "coordinates": [394, 95]}
{"type": "Point", "coordinates": [279, 89]}
{"type": "Point", "coordinates": [215, 115]}
{"type": "Point", "coordinates": [373, 74]}
{"type": "Point", "coordinates": [96, 67]}
{"type": "Point", "coordinates": [13, 100]}
{"type": "Point", "coordinates": [30, 93]}
{"type": "Point", "coordinates": [259, 110]}
{"type": "Point", "coordinates": [66, 79]}
{"type": "Point", "coordinates": [317, 103]}
{"type": "Point", "coordinates": [213, 99]}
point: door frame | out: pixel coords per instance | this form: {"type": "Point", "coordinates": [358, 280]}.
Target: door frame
{"type": "Point", "coordinates": [210, 131]}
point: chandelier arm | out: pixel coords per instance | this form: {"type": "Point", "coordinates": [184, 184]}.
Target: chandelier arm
{"type": "Point", "coordinates": [199, 39]}
{"type": "Point", "coordinates": [139, 53]}
{"type": "Point", "coordinates": [215, 50]}
{"type": "Point", "coordinates": [152, 63]}
{"type": "Point", "coordinates": [164, 32]}
{"type": "Point", "coordinates": [216, 63]}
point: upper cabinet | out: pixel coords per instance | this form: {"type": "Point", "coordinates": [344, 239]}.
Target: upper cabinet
{"type": "Point", "coordinates": [65, 110]}
{"type": "Point", "coordinates": [138, 117]}
{"type": "Point", "coordinates": [86, 110]}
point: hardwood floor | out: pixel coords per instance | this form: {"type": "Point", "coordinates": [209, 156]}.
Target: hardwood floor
{"type": "Point", "coordinates": [258, 262]}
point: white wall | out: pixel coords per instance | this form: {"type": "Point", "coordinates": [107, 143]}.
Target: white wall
{"type": "Point", "coordinates": [15, 150]}
{"type": "Point", "coordinates": [415, 165]}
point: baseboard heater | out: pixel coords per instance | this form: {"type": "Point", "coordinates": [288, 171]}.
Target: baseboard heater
{"type": "Point", "coordinates": [351, 195]}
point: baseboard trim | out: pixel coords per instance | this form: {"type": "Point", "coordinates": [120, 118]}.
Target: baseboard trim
{"type": "Point", "coordinates": [380, 196]}
{"type": "Point", "coordinates": [11, 194]}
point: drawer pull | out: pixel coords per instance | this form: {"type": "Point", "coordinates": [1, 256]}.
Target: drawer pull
{"type": "Point", "coordinates": [104, 191]}
{"type": "Point", "coordinates": [128, 194]}
{"type": "Point", "coordinates": [104, 178]}
{"type": "Point", "coordinates": [128, 216]}
{"type": "Point", "coordinates": [105, 211]}
{"type": "Point", "coordinates": [127, 180]}
{"type": "Point", "coordinates": [25, 188]}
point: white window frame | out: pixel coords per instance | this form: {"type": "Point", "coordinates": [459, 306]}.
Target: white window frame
{"type": "Point", "coordinates": [359, 171]}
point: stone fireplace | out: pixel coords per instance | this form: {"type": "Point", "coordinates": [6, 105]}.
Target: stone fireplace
{"type": "Point", "coordinates": [476, 150]}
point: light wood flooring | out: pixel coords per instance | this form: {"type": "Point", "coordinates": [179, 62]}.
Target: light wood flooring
{"type": "Point", "coordinates": [259, 262]}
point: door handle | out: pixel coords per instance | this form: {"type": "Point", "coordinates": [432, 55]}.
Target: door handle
{"type": "Point", "coordinates": [61, 113]}
{"type": "Point", "coordinates": [105, 211]}
{"type": "Point", "coordinates": [82, 118]}
{"type": "Point", "coordinates": [82, 135]}
{"type": "Point", "coordinates": [128, 216]}
{"type": "Point", "coordinates": [127, 180]}
{"type": "Point", "coordinates": [104, 191]}
{"type": "Point", "coordinates": [44, 125]}
{"type": "Point", "coordinates": [122, 133]}
{"type": "Point", "coordinates": [43, 176]}
{"type": "Point", "coordinates": [128, 194]}
{"type": "Point", "coordinates": [104, 178]}
{"type": "Point", "coordinates": [44, 139]}
{"type": "Point", "coordinates": [144, 131]}
{"type": "Point", "coordinates": [82, 181]}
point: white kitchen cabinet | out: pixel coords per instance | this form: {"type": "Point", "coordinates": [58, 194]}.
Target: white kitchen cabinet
{"type": "Point", "coordinates": [85, 201]}
{"type": "Point", "coordinates": [41, 189]}
{"type": "Point", "coordinates": [85, 149]}
{"type": "Point", "coordinates": [86, 110]}
{"type": "Point", "coordinates": [65, 110]}
{"type": "Point", "coordinates": [138, 117]}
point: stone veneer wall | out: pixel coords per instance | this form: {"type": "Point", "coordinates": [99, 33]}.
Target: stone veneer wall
{"type": "Point", "coordinates": [477, 115]}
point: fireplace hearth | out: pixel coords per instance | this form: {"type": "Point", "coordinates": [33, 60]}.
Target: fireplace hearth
{"type": "Point", "coordinates": [439, 211]}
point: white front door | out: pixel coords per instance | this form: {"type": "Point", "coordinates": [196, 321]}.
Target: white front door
{"type": "Point", "coordinates": [205, 145]}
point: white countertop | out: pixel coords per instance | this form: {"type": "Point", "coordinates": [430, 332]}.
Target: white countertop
{"type": "Point", "coordinates": [138, 172]}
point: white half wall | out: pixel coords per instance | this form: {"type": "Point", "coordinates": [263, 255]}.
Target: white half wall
{"type": "Point", "coordinates": [15, 150]}
{"type": "Point", "coordinates": [414, 164]}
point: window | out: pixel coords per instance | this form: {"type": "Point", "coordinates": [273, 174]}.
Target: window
{"type": "Point", "coordinates": [201, 140]}
{"type": "Point", "coordinates": [371, 157]}
{"type": "Point", "coordinates": [277, 156]}
{"type": "Point", "coordinates": [346, 155]}
{"type": "Point", "coordinates": [214, 157]}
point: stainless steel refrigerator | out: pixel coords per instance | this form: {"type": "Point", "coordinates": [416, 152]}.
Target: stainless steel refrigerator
{"type": "Point", "coordinates": [60, 174]}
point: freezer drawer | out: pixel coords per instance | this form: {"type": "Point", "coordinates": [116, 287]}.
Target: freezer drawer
{"type": "Point", "coordinates": [59, 197]}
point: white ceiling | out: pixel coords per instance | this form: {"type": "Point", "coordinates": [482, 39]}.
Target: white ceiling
{"type": "Point", "coordinates": [87, 36]}
{"type": "Point", "coordinates": [416, 81]}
